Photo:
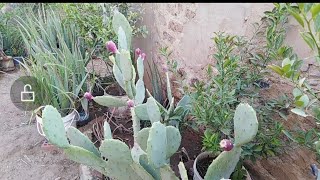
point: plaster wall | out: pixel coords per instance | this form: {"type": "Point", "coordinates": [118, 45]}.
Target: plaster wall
{"type": "Point", "coordinates": [187, 29]}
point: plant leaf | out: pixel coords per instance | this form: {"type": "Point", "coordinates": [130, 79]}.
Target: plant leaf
{"type": "Point", "coordinates": [299, 112]}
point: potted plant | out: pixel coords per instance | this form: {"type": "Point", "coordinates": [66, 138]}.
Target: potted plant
{"type": "Point", "coordinates": [12, 47]}
{"type": "Point", "coordinates": [6, 62]}
{"type": "Point", "coordinates": [57, 60]}
{"type": "Point", "coordinates": [222, 166]}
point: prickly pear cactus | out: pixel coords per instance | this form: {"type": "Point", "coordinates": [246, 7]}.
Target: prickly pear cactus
{"type": "Point", "coordinates": [245, 129]}
{"type": "Point", "coordinates": [123, 69]}
{"type": "Point", "coordinates": [153, 147]}
{"type": "Point", "coordinates": [158, 144]}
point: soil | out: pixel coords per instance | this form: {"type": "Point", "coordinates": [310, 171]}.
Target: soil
{"type": "Point", "coordinates": [293, 162]}
{"type": "Point", "coordinates": [21, 154]}
{"type": "Point", "coordinates": [192, 143]}
{"type": "Point", "coordinates": [203, 165]}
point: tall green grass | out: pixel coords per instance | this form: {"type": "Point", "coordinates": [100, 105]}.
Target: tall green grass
{"type": "Point", "coordinates": [56, 58]}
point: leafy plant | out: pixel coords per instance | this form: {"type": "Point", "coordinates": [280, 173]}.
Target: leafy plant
{"type": "Point", "coordinates": [57, 59]}
{"type": "Point", "coordinates": [290, 67]}
{"type": "Point", "coordinates": [211, 141]}
{"type": "Point", "coordinates": [94, 22]}
{"type": "Point", "coordinates": [218, 92]}
{"type": "Point", "coordinates": [11, 40]}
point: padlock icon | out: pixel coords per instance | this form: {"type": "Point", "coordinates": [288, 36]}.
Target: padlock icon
{"type": "Point", "coordinates": [25, 93]}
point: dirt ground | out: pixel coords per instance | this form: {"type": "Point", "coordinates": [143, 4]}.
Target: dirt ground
{"type": "Point", "coordinates": [21, 155]}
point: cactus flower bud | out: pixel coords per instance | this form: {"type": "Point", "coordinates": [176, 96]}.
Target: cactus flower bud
{"type": "Point", "coordinates": [143, 56]}
{"type": "Point", "coordinates": [111, 46]}
{"type": "Point", "coordinates": [165, 68]}
{"type": "Point", "coordinates": [138, 51]}
{"type": "Point", "coordinates": [88, 96]}
{"type": "Point", "coordinates": [130, 103]}
{"type": "Point", "coordinates": [226, 145]}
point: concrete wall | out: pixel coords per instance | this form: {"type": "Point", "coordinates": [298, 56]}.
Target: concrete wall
{"type": "Point", "coordinates": [187, 28]}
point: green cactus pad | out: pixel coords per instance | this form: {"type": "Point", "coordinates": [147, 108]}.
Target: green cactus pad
{"type": "Point", "coordinates": [78, 139]}
{"type": "Point", "coordinates": [107, 130]}
{"type": "Point", "coordinates": [128, 89]}
{"type": "Point", "coordinates": [149, 168]}
{"type": "Point", "coordinates": [133, 88]}
{"type": "Point", "coordinates": [120, 170]}
{"type": "Point", "coordinates": [182, 171]}
{"type": "Point", "coordinates": [110, 101]}
{"type": "Point", "coordinates": [122, 39]}
{"type": "Point", "coordinates": [118, 75]}
{"type": "Point", "coordinates": [223, 165]}
{"type": "Point", "coordinates": [245, 124]}
{"type": "Point", "coordinates": [125, 65]}
{"type": "Point", "coordinates": [140, 67]}
{"type": "Point", "coordinates": [142, 138]}
{"type": "Point", "coordinates": [136, 152]}
{"type": "Point", "coordinates": [117, 61]}
{"type": "Point", "coordinates": [141, 172]}
{"type": "Point", "coordinates": [153, 110]}
{"type": "Point", "coordinates": [167, 173]}
{"type": "Point", "coordinates": [169, 94]}
{"type": "Point", "coordinates": [115, 150]}
{"type": "Point", "coordinates": [173, 140]}
{"type": "Point", "coordinates": [53, 127]}
{"type": "Point", "coordinates": [85, 157]}
{"type": "Point", "coordinates": [119, 20]}
{"type": "Point", "coordinates": [141, 111]}
{"type": "Point", "coordinates": [140, 95]}
{"type": "Point", "coordinates": [157, 142]}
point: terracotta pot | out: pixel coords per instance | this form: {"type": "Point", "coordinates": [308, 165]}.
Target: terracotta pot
{"type": "Point", "coordinates": [7, 65]}
{"type": "Point", "coordinates": [204, 155]}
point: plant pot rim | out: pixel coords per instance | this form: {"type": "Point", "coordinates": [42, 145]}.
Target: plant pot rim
{"type": "Point", "coordinates": [203, 155]}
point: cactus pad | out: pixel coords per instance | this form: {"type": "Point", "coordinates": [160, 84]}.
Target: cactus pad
{"type": "Point", "coordinates": [53, 127]}
{"type": "Point", "coordinates": [126, 65]}
{"type": "Point", "coordinates": [140, 94]}
{"type": "Point", "coordinates": [157, 142]}
{"type": "Point", "coordinates": [118, 75]}
{"type": "Point", "coordinates": [110, 101]}
{"type": "Point", "coordinates": [182, 171]}
{"type": "Point", "coordinates": [173, 140]}
{"type": "Point", "coordinates": [107, 130]}
{"type": "Point", "coordinates": [78, 139]}
{"type": "Point", "coordinates": [119, 20]}
{"type": "Point", "coordinates": [223, 165]}
{"type": "Point", "coordinates": [141, 111]}
{"type": "Point", "coordinates": [115, 150]}
{"type": "Point", "coordinates": [140, 67]}
{"type": "Point", "coordinates": [122, 40]}
{"type": "Point", "coordinates": [245, 124]}
{"type": "Point", "coordinates": [84, 156]}
{"type": "Point", "coordinates": [153, 110]}
{"type": "Point", "coordinates": [167, 173]}
{"type": "Point", "coordinates": [142, 138]}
